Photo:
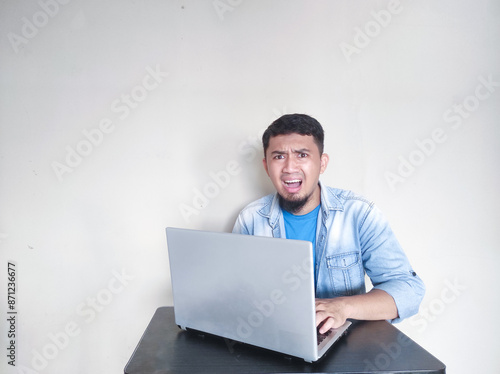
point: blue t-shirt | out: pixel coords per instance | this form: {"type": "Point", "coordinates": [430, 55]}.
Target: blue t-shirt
{"type": "Point", "coordinates": [302, 227]}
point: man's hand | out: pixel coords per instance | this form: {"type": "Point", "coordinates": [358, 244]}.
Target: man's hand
{"type": "Point", "coordinates": [371, 306]}
{"type": "Point", "coordinates": [330, 313]}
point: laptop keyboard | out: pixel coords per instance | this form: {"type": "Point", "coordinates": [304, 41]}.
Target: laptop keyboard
{"type": "Point", "coordinates": [322, 337]}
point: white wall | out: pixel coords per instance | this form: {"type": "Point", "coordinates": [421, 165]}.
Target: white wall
{"type": "Point", "coordinates": [72, 224]}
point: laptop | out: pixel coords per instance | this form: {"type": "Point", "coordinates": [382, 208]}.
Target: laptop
{"type": "Point", "coordinates": [251, 289]}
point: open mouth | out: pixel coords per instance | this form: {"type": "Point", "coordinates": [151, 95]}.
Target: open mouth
{"type": "Point", "coordinates": [292, 185]}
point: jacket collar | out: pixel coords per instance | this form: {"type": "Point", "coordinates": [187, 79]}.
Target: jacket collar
{"type": "Point", "coordinates": [329, 201]}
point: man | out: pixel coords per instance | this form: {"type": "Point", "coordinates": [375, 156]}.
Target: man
{"type": "Point", "coordinates": [349, 234]}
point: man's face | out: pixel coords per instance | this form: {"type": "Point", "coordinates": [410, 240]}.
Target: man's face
{"type": "Point", "coordinates": [294, 165]}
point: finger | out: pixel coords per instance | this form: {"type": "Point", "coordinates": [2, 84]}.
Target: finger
{"type": "Point", "coordinates": [327, 325]}
{"type": "Point", "coordinates": [334, 323]}
{"type": "Point", "coordinates": [320, 317]}
{"type": "Point", "coordinates": [320, 304]}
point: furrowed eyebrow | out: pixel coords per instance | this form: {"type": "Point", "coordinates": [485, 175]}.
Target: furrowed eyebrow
{"type": "Point", "coordinates": [303, 150]}
{"type": "Point", "coordinates": [278, 152]}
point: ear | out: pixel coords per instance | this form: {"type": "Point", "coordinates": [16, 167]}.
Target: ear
{"type": "Point", "coordinates": [324, 162]}
{"type": "Point", "coordinates": [264, 162]}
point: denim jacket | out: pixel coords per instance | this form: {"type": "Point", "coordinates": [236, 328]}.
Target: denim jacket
{"type": "Point", "coordinates": [353, 238]}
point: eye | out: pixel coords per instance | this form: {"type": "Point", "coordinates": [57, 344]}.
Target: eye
{"type": "Point", "coordinates": [302, 155]}
{"type": "Point", "coordinates": [279, 157]}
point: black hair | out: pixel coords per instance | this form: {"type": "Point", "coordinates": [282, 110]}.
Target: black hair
{"type": "Point", "coordinates": [301, 124]}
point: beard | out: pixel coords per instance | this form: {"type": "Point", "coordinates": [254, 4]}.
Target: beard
{"type": "Point", "coordinates": [292, 206]}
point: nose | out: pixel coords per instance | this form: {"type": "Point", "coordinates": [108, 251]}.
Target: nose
{"type": "Point", "coordinates": [290, 165]}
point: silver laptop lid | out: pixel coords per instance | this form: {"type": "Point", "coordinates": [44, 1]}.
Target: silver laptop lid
{"type": "Point", "coordinates": [256, 290]}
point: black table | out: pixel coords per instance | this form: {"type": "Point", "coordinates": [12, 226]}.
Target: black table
{"type": "Point", "coordinates": [368, 347]}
